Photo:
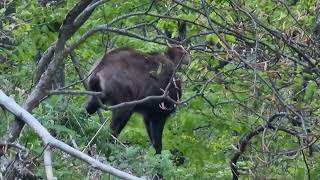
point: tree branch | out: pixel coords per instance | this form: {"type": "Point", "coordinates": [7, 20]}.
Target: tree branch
{"type": "Point", "coordinates": [47, 160]}
{"type": "Point", "coordinates": [42, 132]}
{"type": "Point", "coordinates": [244, 141]}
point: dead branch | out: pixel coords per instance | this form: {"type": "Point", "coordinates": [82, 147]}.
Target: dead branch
{"type": "Point", "coordinates": [26, 117]}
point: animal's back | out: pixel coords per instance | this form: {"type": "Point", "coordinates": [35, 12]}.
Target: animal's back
{"type": "Point", "coordinates": [122, 60]}
{"type": "Point", "coordinates": [130, 75]}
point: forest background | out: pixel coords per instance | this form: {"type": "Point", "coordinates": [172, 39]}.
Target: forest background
{"type": "Point", "coordinates": [250, 105]}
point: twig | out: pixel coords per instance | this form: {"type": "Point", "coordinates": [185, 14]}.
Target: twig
{"type": "Point", "coordinates": [73, 92]}
{"type": "Point", "coordinates": [95, 135]}
{"type": "Point", "coordinates": [306, 164]}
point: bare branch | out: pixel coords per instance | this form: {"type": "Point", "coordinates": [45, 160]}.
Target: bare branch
{"type": "Point", "coordinates": [46, 137]}
{"type": "Point", "coordinates": [95, 135]}
{"type": "Point", "coordinates": [275, 33]}
{"type": "Point", "coordinates": [47, 160]}
{"type": "Point", "coordinates": [43, 62]}
{"type": "Point", "coordinates": [106, 28]}
{"type": "Point", "coordinates": [86, 13]}
{"type": "Point", "coordinates": [244, 141]}
{"type": "Point", "coordinates": [73, 92]}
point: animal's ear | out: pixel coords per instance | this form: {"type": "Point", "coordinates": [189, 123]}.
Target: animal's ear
{"type": "Point", "coordinates": [180, 38]}
{"type": "Point", "coordinates": [182, 35]}
{"type": "Point", "coordinates": [182, 30]}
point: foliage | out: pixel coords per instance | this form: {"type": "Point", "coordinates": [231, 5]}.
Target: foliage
{"type": "Point", "coordinates": [230, 98]}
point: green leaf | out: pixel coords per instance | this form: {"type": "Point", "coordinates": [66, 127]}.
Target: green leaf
{"type": "Point", "coordinates": [213, 39]}
{"type": "Point", "coordinates": [230, 38]}
{"type": "Point", "coordinates": [310, 91]}
{"type": "Point", "coordinates": [62, 129]}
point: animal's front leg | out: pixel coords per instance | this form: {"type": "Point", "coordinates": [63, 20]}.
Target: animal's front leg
{"type": "Point", "coordinates": [155, 125]}
{"type": "Point", "coordinates": [120, 117]}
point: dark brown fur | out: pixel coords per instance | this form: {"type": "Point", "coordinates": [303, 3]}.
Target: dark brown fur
{"type": "Point", "coordinates": [124, 75]}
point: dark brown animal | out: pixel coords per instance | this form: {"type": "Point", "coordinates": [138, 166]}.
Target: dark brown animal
{"type": "Point", "coordinates": [124, 75]}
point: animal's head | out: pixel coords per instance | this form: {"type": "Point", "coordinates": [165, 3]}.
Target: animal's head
{"type": "Point", "coordinates": [179, 54]}
{"type": "Point", "coordinates": [92, 105]}
{"type": "Point", "coordinates": [93, 84]}
{"type": "Point", "coordinates": [179, 47]}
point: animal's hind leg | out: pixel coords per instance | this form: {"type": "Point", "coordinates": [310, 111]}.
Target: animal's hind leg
{"type": "Point", "coordinates": [155, 125]}
{"type": "Point", "coordinates": [147, 123]}
{"type": "Point", "coordinates": [120, 117]}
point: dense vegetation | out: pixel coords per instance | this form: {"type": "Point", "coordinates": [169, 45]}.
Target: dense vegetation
{"type": "Point", "coordinates": [250, 101]}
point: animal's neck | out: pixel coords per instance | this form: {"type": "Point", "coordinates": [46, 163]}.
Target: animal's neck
{"type": "Point", "coordinates": [174, 55]}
